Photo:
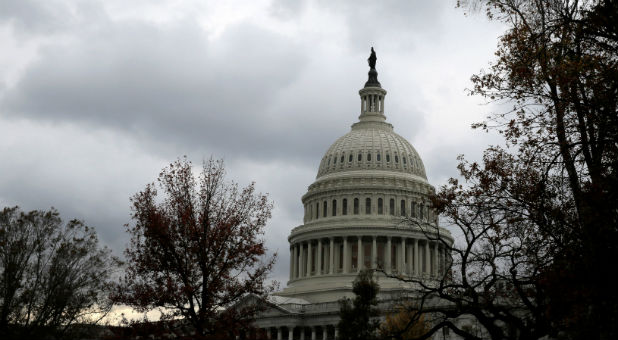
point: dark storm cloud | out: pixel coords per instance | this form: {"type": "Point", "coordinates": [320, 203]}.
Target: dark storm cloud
{"type": "Point", "coordinates": [179, 91]}
{"type": "Point", "coordinates": [115, 93]}
{"type": "Point", "coordinates": [170, 86]}
{"type": "Point", "coordinates": [396, 25]}
{"type": "Point", "coordinates": [373, 22]}
{"type": "Point", "coordinates": [32, 17]}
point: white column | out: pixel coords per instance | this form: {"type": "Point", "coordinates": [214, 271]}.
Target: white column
{"type": "Point", "coordinates": [295, 261]}
{"type": "Point", "coordinates": [268, 333]}
{"type": "Point", "coordinates": [359, 255]}
{"type": "Point", "coordinates": [435, 259]}
{"type": "Point", "coordinates": [301, 260]}
{"type": "Point", "coordinates": [318, 270]}
{"type": "Point", "coordinates": [331, 256]}
{"type": "Point", "coordinates": [445, 255]}
{"type": "Point", "coordinates": [313, 333]}
{"type": "Point", "coordinates": [291, 333]}
{"type": "Point", "coordinates": [346, 257]}
{"type": "Point", "coordinates": [338, 260]}
{"type": "Point", "coordinates": [427, 259]}
{"type": "Point", "coordinates": [362, 105]}
{"type": "Point", "coordinates": [336, 332]}
{"type": "Point", "coordinates": [279, 334]}
{"type": "Point", "coordinates": [309, 258]}
{"type": "Point", "coordinates": [440, 256]}
{"type": "Point", "coordinates": [402, 257]}
{"type": "Point", "coordinates": [417, 263]}
{"type": "Point", "coordinates": [302, 333]}
{"type": "Point", "coordinates": [410, 268]}
{"type": "Point", "coordinates": [388, 251]}
{"type": "Point", "coordinates": [374, 253]}
{"type": "Point", "coordinates": [291, 262]}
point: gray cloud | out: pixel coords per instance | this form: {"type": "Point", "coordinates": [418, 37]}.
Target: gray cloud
{"type": "Point", "coordinates": [393, 25]}
{"type": "Point", "coordinates": [32, 18]}
{"type": "Point", "coordinates": [110, 99]}
{"type": "Point", "coordinates": [171, 86]}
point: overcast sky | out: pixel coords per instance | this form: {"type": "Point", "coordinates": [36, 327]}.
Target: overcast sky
{"type": "Point", "coordinates": [97, 96]}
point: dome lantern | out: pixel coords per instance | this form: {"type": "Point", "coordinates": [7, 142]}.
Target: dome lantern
{"type": "Point", "coordinates": [372, 95]}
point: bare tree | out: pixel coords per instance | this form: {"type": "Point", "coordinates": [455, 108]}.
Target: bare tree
{"type": "Point", "coordinates": [53, 275]}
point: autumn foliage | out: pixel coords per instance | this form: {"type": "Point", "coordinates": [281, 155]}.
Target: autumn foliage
{"type": "Point", "coordinates": [397, 325]}
{"type": "Point", "coordinates": [536, 220]}
{"type": "Point", "coordinates": [196, 249]}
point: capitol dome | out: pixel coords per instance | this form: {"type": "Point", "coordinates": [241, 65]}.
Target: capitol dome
{"type": "Point", "coordinates": [369, 207]}
{"type": "Point", "coordinates": [371, 145]}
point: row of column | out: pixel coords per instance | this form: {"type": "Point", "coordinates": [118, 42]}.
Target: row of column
{"type": "Point", "coordinates": [372, 103]}
{"type": "Point", "coordinates": [301, 333]}
{"type": "Point", "coordinates": [369, 206]}
{"type": "Point", "coordinates": [349, 254]}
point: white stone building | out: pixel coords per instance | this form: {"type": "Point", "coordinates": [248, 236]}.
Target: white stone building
{"type": "Point", "coordinates": [368, 181]}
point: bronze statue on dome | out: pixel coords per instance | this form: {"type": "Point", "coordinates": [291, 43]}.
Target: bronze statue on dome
{"type": "Point", "coordinates": [372, 59]}
{"type": "Point", "coordinates": [373, 74]}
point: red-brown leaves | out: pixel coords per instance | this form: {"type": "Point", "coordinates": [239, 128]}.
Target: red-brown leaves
{"type": "Point", "coordinates": [539, 218]}
{"type": "Point", "coordinates": [196, 250]}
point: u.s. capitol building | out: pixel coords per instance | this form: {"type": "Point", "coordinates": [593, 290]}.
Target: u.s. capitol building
{"type": "Point", "coordinates": [368, 208]}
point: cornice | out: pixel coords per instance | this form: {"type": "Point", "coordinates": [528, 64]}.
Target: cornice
{"type": "Point", "coordinates": [326, 230]}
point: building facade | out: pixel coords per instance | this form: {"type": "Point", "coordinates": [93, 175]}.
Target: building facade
{"type": "Point", "coordinates": [368, 208]}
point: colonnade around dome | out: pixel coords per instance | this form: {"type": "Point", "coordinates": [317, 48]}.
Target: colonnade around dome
{"type": "Point", "coordinates": [321, 332]}
{"type": "Point", "coordinates": [400, 255]}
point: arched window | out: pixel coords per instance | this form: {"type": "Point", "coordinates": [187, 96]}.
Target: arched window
{"type": "Point", "coordinates": [328, 160]}
{"type": "Point", "coordinates": [404, 161]}
{"type": "Point", "coordinates": [350, 158]}
{"type": "Point", "coordinates": [368, 157]}
{"type": "Point", "coordinates": [334, 208]}
{"type": "Point", "coordinates": [356, 206]}
{"type": "Point", "coordinates": [324, 210]}
{"type": "Point", "coordinates": [378, 158]}
{"type": "Point", "coordinates": [380, 206]}
{"type": "Point", "coordinates": [344, 206]}
{"type": "Point", "coordinates": [341, 160]}
{"type": "Point", "coordinates": [413, 209]}
{"type": "Point", "coordinates": [360, 157]}
{"type": "Point", "coordinates": [403, 208]}
{"type": "Point", "coordinates": [368, 206]}
{"type": "Point", "coordinates": [420, 211]}
{"type": "Point", "coordinates": [317, 213]}
{"type": "Point", "coordinates": [335, 160]}
{"type": "Point", "coordinates": [396, 159]}
{"type": "Point", "coordinates": [388, 157]}
{"type": "Point", "coordinates": [391, 206]}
